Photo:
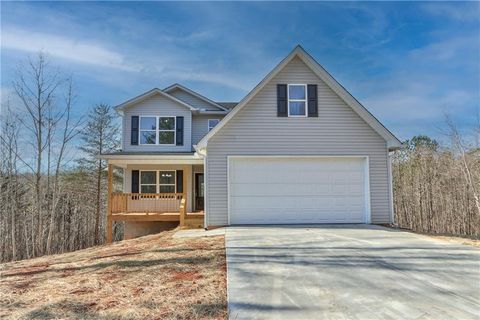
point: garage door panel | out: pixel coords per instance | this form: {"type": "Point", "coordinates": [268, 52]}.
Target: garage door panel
{"type": "Point", "coordinates": [271, 189]}
{"type": "Point", "coordinates": [320, 204]}
{"type": "Point", "coordinates": [296, 190]}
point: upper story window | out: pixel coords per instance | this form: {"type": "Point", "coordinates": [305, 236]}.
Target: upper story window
{"type": "Point", "coordinates": [212, 123]}
{"type": "Point", "coordinates": [166, 130]}
{"type": "Point", "coordinates": [297, 100]}
{"type": "Point", "coordinates": [164, 134]}
{"type": "Point", "coordinates": [148, 130]}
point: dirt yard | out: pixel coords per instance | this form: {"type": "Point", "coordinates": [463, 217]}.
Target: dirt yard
{"type": "Point", "coordinates": [154, 277]}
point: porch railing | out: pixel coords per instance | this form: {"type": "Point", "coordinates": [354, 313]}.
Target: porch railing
{"type": "Point", "coordinates": [145, 202]}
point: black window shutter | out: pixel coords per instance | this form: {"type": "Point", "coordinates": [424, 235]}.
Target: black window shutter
{"type": "Point", "coordinates": [312, 100]}
{"type": "Point", "coordinates": [134, 131]}
{"type": "Point", "coordinates": [282, 100]}
{"type": "Point", "coordinates": [135, 181]}
{"type": "Point", "coordinates": [179, 133]}
{"type": "Point", "coordinates": [179, 181]}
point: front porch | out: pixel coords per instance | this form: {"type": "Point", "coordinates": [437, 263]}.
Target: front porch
{"type": "Point", "coordinates": [159, 192]}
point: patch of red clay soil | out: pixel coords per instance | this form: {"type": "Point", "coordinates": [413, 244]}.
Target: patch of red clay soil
{"type": "Point", "coordinates": [67, 272]}
{"type": "Point", "coordinates": [20, 287]}
{"type": "Point", "coordinates": [25, 271]}
{"type": "Point", "coordinates": [185, 276]}
{"type": "Point", "coordinates": [82, 291]}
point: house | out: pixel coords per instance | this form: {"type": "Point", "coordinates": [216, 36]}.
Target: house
{"type": "Point", "coordinates": [298, 149]}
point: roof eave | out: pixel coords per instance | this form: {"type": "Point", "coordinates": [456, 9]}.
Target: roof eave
{"type": "Point", "coordinates": [194, 93]}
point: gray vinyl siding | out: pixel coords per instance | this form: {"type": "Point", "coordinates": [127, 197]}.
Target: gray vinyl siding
{"type": "Point", "coordinates": [157, 106]}
{"type": "Point", "coordinates": [200, 126]}
{"type": "Point", "coordinates": [256, 130]}
{"type": "Point", "coordinates": [192, 100]}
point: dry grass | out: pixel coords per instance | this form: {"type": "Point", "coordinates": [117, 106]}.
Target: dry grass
{"type": "Point", "coordinates": [154, 277]}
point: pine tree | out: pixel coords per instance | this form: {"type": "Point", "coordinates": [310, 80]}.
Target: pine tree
{"type": "Point", "coordinates": [100, 135]}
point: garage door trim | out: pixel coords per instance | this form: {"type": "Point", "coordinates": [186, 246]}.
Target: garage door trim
{"type": "Point", "coordinates": [367, 218]}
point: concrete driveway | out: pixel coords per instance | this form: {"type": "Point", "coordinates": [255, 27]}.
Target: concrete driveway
{"type": "Point", "coordinates": [349, 272]}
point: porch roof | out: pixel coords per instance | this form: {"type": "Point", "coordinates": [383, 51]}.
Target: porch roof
{"type": "Point", "coordinates": [123, 158]}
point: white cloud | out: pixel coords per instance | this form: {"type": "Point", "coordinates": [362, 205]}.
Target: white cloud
{"type": "Point", "coordinates": [77, 50]}
{"type": "Point", "coordinates": [460, 11]}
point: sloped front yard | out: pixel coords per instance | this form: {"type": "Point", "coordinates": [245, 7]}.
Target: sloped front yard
{"type": "Point", "coordinates": [154, 277]}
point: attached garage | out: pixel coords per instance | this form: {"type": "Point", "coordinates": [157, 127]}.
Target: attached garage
{"type": "Point", "coordinates": [296, 190]}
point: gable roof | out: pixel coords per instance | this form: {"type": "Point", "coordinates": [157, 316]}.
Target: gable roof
{"type": "Point", "coordinates": [392, 141]}
{"type": "Point", "coordinates": [195, 94]}
{"type": "Point", "coordinates": [149, 94]}
{"type": "Point", "coordinates": [228, 105]}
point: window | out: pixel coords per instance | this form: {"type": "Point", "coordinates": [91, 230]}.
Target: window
{"type": "Point", "coordinates": [158, 181]}
{"type": "Point", "coordinates": [166, 130]}
{"type": "Point", "coordinates": [212, 123]}
{"type": "Point", "coordinates": [148, 130]}
{"type": "Point", "coordinates": [165, 135]}
{"type": "Point", "coordinates": [167, 182]}
{"type": "Point", "coordinates": [297, 100]}
{"type": "Point", "coordinates": [148, 181]}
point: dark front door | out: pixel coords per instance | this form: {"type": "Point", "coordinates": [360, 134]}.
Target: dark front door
{"type": "Point", "coordinates": [199, 191]}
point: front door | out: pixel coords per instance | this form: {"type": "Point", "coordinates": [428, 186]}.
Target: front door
{"type": "Point", "coordinates": [199, 191]}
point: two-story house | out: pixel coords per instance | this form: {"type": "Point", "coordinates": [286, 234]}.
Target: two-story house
{"type": "Point", "coordinates": [298, 149]}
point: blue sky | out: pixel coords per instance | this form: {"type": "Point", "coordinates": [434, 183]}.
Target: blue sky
{"type": "Point", "coordinates": [409, 63]}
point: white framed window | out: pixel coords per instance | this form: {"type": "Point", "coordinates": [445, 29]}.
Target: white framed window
{"type": "Point", "coordinates": [157, 130]}
{"type": "Point", "coordinates": [212, 123]}
{"type": "Point", "coordinates": [166, 130]}
{"type": "Point", "coordinates": [158, 181]}
{"type": "Point", "coordinates": [167, 182]}
{"type": "Point", "coordinates": [148, 130]}
{"type": "Point", "coordinates": [297, 100]}
{"type": "Point", "coordinates": [148, 181]}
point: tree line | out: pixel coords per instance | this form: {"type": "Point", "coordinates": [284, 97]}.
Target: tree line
{"type": "Point", "coordinates": [53, 189]}
{"type": "Point", "coordinates": [436, 187]}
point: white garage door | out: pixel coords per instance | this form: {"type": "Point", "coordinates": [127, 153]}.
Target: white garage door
{"type": "Point", "coordinates": [285, 190]}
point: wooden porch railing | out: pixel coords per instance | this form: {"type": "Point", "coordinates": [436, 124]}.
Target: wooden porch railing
{"type": "Point", "coordinates": [145, 202]}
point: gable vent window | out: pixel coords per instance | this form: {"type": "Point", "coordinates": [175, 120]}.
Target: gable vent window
{"type": "Point", "coordinates": [212, 123]}
{"type": "Point", "coordinates": [297, 100]}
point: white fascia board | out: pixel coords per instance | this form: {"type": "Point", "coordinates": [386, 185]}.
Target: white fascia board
{"type": "Point", "coordinates": [392, 141]}
{"type": "Point", "coordinates": [193, 93]}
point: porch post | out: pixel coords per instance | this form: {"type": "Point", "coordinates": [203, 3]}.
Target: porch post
{"type": "Point", "coordinates": [183, 213]}
{"type": "Point", "coordinates": [109, 205]}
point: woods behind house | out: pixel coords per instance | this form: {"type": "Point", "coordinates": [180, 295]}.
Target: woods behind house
{"type": "Point", "coordinates": [53, 187]}
{"type": "Point", "coordinates": [436, 187]}
{"type": "Point", "coordinates": [53, 194]}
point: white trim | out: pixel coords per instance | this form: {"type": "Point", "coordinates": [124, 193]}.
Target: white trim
{"type": "Point", "coordinates": [208, 124]}
{"type": "Point", "coordinates": [392, 141]}
{"type": "Point", "coordinates": [390, 187]}
{"type": "Point", "coordinates": [368, 206]}
{"type": "Point", "coordinates": [157, 131]}
{"type": "Point", "coordinates": [205, 201]}
{"type": "Point", "coordinates": [367, 213]}
{"type": "Point", "coordinates": [296, 100]}
{"type": "Point", "coordinates": [147, 95]}
{"type": "Point", "coordinates": [193, 93]}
